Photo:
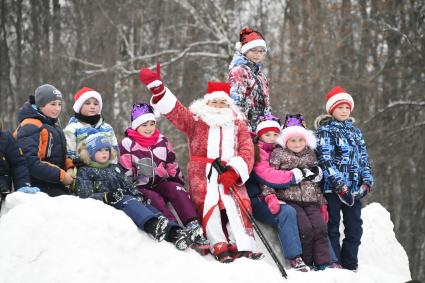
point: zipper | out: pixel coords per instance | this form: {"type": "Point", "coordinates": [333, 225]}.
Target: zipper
{"type": "Point", "coordinates": [50, 145]}
{"type": "Point", "coordinates": [153, 166]}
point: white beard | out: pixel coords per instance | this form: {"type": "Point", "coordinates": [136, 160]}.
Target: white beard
{"type": "Point", "coordinates": [213, 117]}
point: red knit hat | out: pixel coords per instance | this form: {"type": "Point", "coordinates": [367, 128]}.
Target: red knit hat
{"type": "Point", "coordinates": [218, 90]}
{"type": "Point", "coordinates": [336, 97]}
{"type": "Point", "coordinates": [248, 39]}
{"type": "Point", "coordinates": [82, 95]}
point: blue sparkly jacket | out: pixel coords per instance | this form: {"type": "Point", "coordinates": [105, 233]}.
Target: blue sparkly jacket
{"type": "Point", "coordinates": [342, 154]}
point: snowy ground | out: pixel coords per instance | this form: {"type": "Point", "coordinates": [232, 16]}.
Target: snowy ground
{"type": "Point", "coordinates": [66, 239]}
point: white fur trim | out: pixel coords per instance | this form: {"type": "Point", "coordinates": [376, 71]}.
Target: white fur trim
{"type": "Point", "coordinates": [217, 95]}
{"type": "Point", "coordinates": [89, 94]}
{"type": "Point", "coordinates": [240, 166]}
{"type": "Point", "coordinates": [166, 103]}
{"type": "Point", "coordinates": [295, 131]}
{"type": "Point", "coordinates": [339, 97]}
{"type": "Point", "coordinates": [198, 108]}
{"type": "Point", "coordinates": [252, 44]}
{"type": "Point", "coordinates": [141, 119]}
{"type": "Point", "coordinates": [267, 124]}
{"type": "Point", "coordinates": [154, 84]}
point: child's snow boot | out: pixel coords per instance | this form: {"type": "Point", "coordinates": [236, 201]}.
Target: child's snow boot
{"type": "Point", "coordinates": [298, 264]}
{"type": "Point", "coordinates": [181, 238]}
{"type": "Point", "coordinates": [197, 235]}
{"type": "Point", "coordinates": [157, 227]}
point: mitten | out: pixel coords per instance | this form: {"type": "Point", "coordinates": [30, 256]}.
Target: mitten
{"type": "Point", "coordinates": [364, 190]}
{"type": "Point", "coordinates": [228, 179]}
{"type": "Point", "coordinates": [29, 190]}
{"type": "Point", "coordinates": [345, 195]}
{"type": "Point", "coordinates": [324, 212]}
{"type": "Point", "coordinates": [113, 197]}
{"type": "Point", "coordinates": [161, 171]}
{"type": "Point", "coordinates": [272, 203]}
{"type": "Point", "coordinates": [152, 80]}
{"type": "Point", "coordinates": [317, 174]}
{"type": "Point", "coordinates": [308, 175]}
{"type": "Point", "coordinates": [298, 175]}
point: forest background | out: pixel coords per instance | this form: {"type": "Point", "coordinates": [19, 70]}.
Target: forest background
{"type": "Point", "coordinates": [375, 49]}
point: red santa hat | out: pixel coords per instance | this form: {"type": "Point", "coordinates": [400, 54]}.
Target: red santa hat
{"type": "Point", "coordinates": [336, 97]}
{"type": "Point", "coordinates": [218, 90]}
{"type": "Point", "coordinates": [248, 39]}
{"type": "Point", "coordinates": [82, 95]}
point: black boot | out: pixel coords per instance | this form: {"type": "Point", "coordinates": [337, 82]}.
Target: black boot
{"type": "Point", "coordinates": [157, 227]}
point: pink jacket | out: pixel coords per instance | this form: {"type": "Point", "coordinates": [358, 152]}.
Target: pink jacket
{"type": "Point", "coordinates": [266, 173]}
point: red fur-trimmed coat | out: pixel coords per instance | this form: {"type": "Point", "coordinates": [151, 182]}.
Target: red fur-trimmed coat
{"type": "Point", "coordinates": [232, 144]}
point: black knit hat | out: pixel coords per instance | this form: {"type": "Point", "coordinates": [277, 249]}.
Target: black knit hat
{"type": "Point", "coordinates": [45, 94]}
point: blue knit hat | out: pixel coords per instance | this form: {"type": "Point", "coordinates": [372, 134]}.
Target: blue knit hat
{"type": "Point", "coordinates": [95, 143]}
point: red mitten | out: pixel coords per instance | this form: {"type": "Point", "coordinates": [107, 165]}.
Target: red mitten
{"type": "Point", "coordinates": [228, 179]}
{"type": "Point", "coordinates": [272, 203]}
{"type": "Point", "coordinates": [324, 212]}
{"type": "Point", "coordinates": [152, 80]}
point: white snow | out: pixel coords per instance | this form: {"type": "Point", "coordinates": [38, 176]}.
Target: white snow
{"type": "Point", "coordinates": [66, 239]}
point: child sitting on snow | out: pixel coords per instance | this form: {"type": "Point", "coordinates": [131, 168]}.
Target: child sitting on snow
{"type": "Point", "coordinates": [102, 180]}
{"type": "Point", "coordinates": [306, 197]}
{"type": "Point", "coordinates": [148, 158]}
{"type": "Point", "coordinates": [347, 174]}
{"type": "Point", "coordinates": [87, 120]}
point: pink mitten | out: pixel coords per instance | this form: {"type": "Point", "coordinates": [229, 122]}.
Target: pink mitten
{"type": "Point", "coordinates": [324, 212]}
{"type": "Point", "coordinates": [161, 171]}
{"type": "Point", "coordinates": [272, 203]}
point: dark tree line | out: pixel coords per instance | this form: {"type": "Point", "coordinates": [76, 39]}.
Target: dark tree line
{"type": "Point", "coordinates": [375, 49]}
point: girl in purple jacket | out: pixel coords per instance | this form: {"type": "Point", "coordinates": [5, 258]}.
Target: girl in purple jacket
{"type": "Point", "coordinates": [148, 158]}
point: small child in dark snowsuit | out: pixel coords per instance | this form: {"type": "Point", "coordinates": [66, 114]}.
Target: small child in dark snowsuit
{"type": "Point", "coordinates": [305, 196]}
{"type": "Point", "coordinates": [102, 180]}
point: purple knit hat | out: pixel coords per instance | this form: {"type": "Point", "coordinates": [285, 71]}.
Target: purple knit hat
{"type": "Point", "coordinates": [141, 113]}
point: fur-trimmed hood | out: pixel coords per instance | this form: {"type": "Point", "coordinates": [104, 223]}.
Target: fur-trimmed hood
{"type": "Point", "coordinates": [85, 155]}
{"type": "Point", "coordinates": [324, 118]}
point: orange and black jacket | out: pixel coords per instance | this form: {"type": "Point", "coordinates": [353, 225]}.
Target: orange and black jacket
{"type": "Point", "coordinates": [44, 146]}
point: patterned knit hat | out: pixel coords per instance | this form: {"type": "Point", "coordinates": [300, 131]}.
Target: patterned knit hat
{"type": "Point", "coordinates": [267, 123]}
{"type": "Point", "coordinates": [141, 113]}
{"type": "Point", "coordinates": [248, 39]}
{"type": "Point", "coordinates": [96, 142]}
{"type": "Point", "coordinates": [82, 95]}
{"type": "Point", "coordinates": [295, 126]}
{"type": "Point", "coordinates": [336, 97]}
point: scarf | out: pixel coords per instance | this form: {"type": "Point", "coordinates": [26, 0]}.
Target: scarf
{"type": "Point", "coordinates": [142, 140]}
{"type": "Point", "coordinates": [92, 120]}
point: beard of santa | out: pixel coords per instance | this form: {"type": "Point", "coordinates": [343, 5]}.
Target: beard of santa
{"type": "Point", "coordinates": [215, 117]}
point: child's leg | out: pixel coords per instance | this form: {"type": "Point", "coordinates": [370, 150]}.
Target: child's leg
{"type": "Point", "coordinates": [320, 238]}
{"type": "Point", "coordinates": [353, 232]}
{"type": "Point", "coordinates": [158, 202]}
{"type": "Point", "coordinates": [179, 198]}
{"type": "Point", "coordinates": [286, 224]}
{"type": "Point", "coordinates": [136, 210]}
{"type": "Point", "coordinates": [334, 208]}
{"type": "Point", "coordinates": [306, 233]}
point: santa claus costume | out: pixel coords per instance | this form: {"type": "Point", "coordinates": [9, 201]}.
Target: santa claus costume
{"type": "Point", "coordinates": [214, 132]}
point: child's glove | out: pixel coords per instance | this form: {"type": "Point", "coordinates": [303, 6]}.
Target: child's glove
{"type": "Point", "coordinates": [345, 195]}
{"type": "Point", "coordinates": [113, 197]}
{"type": "Point", "coordinates": [152, 80]}
{"type": "Point", "coordinates": [29, 190]}
{"type": "Point", "coordinates": [298, 175]}
{"type": "Point", "coordinates": [324, 212]}
{"type": "Point", "coordinates": [272, 203]}
{"type": "Point", "coordinates": [364, 190]}
{"type": "Point", "coordinates": [228, 179]}
{"type": "Point", "coordinates": [313, 174]}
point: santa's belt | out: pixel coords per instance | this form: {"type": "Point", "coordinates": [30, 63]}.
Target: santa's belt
{"type": "Point", "coordinates": [204, 159]}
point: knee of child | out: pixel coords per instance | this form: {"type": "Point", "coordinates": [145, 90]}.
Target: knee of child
{"type": "Point", "coordinates": [287, 211]}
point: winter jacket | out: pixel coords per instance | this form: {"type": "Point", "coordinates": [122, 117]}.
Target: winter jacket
{"type": "Point", "coordinates": [305, 191]}
{"type": "Point", "coordinates": [12, 164]}
{"type": "Point", "coordinates": [77, 131]}
{"type": "Point", "coordinates": [148, 167]}
{"type": "Point", "coordinates": [342, 155]}
{"type": "Point", "coordinates": [92, 182]}
{"type": "Point", "coordinates": [249, 89]}
{"type": "Point", "coordinates": [44, 147]}
{"type": "Point", "coordinates": [264, 173]}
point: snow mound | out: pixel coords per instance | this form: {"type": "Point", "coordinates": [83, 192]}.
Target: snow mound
{"type": "Point", "coordinates": [66, 239]}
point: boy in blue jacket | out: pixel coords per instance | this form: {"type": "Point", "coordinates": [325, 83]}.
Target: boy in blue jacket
{"type": "Point", "coordinates": [347, 176]}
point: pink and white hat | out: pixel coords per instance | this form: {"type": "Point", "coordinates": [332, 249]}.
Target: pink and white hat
{"type": "Point", "coordinates": [295, 127]}
{"type": "Point", "coordinates": [336, 97]}
{"type": "Point", "coordinates": [82, 95]}
{"type": "Point", "coordinates": [267, 123]}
